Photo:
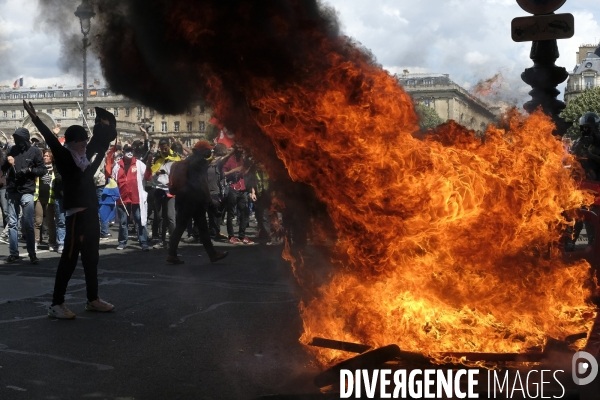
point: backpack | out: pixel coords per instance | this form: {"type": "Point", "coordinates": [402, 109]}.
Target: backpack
{"type": "Point", "coordinates": [178, 177]}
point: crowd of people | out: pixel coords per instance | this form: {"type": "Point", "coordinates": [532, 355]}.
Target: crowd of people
{"type": "Point", "coordinates": [65, 190]}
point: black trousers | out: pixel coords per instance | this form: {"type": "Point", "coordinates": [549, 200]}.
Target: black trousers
{"type": "Point", "coordinates": [214, 221]}
{"type": "Point", "coordinates": [241, 200]}
{"type": "Point", "coordinates": [164, 214]}
{"type": "Point", "coordinates": [263, 215]}
{"type": "Point", "coordinates": [82, 236]}
{"type": "Point", "coordinates": [190, 207]}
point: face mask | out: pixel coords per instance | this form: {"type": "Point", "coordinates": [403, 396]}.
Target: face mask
{"type": "Point", "coordinates": [21, 144]}
{"type": "Point", "coordinates": [77, 147]}
{"type": "Point", "coordinates": [129, 154]}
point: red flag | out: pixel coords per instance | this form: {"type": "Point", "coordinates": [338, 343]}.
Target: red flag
{"type": "Point", "coordinates": [16, 83]}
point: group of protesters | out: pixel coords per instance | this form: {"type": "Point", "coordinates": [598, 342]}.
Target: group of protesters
{"type": "Point", "coordinates": [47, 185]}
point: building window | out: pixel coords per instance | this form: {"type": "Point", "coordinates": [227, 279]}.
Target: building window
{"type": "Point", "coordinates": [51, 94]}
{"type": "Point", "coordinates": [589, 81]}
{"type": "Point", "coordinates": [163, 126]}
{"type": "Point", "coordinates": [5, 114]}
{"type": "Point", "coordinates": [201, 126]}
{"type": "Point", "coordinates": [24, 95]}
{"type": "Point", "coordinates": [64, 113]}
{"type": "Point", "coordinates": [13, 114]}
{"type": "Point", "coordinates": [22, 113]}
{"type": "Point", "coordinates": [140, 112]}
{"type": "Point", "coordinates": [15, 95]}
{"type": "Point", "coordinates": [127, 110]}
{"type": "Point", "coordinates": [176, 126]}
{"type": "Point", "coordinates": [202, 109]}
{"type": "Point", "coordinates": [66, 94]}
{"type": "Point", "coordinates": [189, 126]}
{"type": "Point", "coordinates": [151, 113]}
{"type": "Point", "coordinates": [92, 112]}
{"type": "Point", "coordinates": [49, 111]}
{"type": "Point", "coordinates": [116, 112]}
{"type": "Point", "coordinates": [80, 93]}
{"type": "Point", "coordinates": [105, 93]}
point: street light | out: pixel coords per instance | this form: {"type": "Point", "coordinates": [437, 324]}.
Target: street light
{"type": "Point", "coordinates": [85, 13]}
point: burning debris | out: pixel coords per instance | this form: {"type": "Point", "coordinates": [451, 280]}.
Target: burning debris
{"type": "Point", "coordinates": [444, 245]}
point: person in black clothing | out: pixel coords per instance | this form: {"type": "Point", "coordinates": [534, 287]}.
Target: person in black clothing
{"type": "Point", "coordinates": [193, 202]}
{"type": "Point", "coordinates": [3, 203]}
{"type": "Point", "coordinates": [80, 205]}
{"type": "Point", "coordinates": [22, 165]}
{"type": "Point", "coordinates": [215, 176]}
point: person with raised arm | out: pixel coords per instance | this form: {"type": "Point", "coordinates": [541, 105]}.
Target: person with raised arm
{"type": "Point", "coordinates": [80, 203]}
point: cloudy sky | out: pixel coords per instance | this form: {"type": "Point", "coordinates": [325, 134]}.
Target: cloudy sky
{"type": "Point", "coordinates": [468, 39]}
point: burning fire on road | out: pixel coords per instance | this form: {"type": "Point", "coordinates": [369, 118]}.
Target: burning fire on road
{"type": "Point", "coordinates": [443, 244]}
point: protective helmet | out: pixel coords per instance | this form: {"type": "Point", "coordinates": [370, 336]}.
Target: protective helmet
{"type": "Point", "coordinates": [588, 121]}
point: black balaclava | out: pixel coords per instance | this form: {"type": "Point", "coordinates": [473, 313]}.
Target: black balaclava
{"type": "Point", "coordinates": [22, 138]}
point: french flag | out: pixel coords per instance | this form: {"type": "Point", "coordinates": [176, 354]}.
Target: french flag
{"type": "Point", "coordinates": [18, 83]}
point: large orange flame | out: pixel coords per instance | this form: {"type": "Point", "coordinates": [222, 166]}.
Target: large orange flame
{"type": "Point", "coordinates": [446, 244]}
{"type": "Point", "coordinates": [446, 241]}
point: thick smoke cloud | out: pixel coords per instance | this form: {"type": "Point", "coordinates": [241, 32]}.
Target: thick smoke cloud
{"type": "Point", "coordinates": [153, 52]}
{"type": "Point", "coordinates": [56, 18]}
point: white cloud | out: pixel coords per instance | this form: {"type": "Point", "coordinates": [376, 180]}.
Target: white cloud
{"type": "Point", "coordinates": [468, 39]}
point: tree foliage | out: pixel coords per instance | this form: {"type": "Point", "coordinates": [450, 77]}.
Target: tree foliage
{"type": "Point", "coordinates": [212, 131]}
{"type": "Point", "coordinates": [588, 101]}
{"type": "Point", "coordinates": [428, 117]}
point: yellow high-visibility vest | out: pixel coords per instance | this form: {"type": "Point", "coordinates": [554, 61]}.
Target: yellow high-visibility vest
{"type": "Point", "coordinates": [37, 189]}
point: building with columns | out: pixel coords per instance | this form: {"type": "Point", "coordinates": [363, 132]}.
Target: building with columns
{"type": "Point", "coordinates": [61, 105]}
{"type": "Point", "coordinates": [448, 99]}
{"type": "Point", "coordinates": [586, 71]}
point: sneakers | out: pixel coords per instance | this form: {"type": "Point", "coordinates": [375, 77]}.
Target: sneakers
{"type": "Point", "coordinates": [60, 249]}
{"type": "Point", "coordinates": [219, 256]}
{"type": "Point", "coordinates": [160, 245]}
{"type": "Point", "coordinates": [60, 311]}
{"type": "Point", "coordinates": [234, 240]}
{"type": "Point", "coordinates": [34, 260]}
{"type": "Point", "coordinates": [11, 259]}
{"type": "Point", "coordinates": [52, 248]}
{"type": "Point", "coordinates": [103, 238]}
{"type": "Point", "coordinates": [99, 305]}
{"type": "Point", "coordinates": [190, 239]}
{"type": "Point", "coordinates": [174, 260]}
{"type": "Point", "coordinates": [245, 240]}
{"type": "Point", "coordinates": [121, 246]}
{"type": "Point", "coordinates": [145, 248]}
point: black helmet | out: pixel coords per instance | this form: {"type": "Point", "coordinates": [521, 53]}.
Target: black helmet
{"type": "Point", "coordinates": [588, 121]}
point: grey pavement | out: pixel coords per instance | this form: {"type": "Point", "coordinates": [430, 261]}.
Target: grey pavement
{"type": "Point", "coordinates": [202, 330]}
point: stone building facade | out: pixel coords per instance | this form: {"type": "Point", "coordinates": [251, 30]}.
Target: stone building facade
{"type": "Point", "coordinates": [59, 105]}
{"type": "Point", "coordinates": [585, 74]}
{"type": "Point", "coordinates": [448, 99]}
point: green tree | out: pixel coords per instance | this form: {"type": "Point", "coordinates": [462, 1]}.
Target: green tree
{"type": "Point", "coordinates": [212, 131]}
{"type": "Point", "coordinates": [588, 101]}
{"type": "Point", "coordinates": [428, 118]}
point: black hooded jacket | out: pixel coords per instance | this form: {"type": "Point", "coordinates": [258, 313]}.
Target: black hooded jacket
{"type": "Point", "coordinates": [29, 164]}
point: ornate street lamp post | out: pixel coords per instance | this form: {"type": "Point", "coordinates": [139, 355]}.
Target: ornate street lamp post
{"type": "Point", "coordinates": [545, 75]}
{"type": "Point", "coordinates": [85, 13]}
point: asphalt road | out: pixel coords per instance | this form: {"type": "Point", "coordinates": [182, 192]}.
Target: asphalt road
{"type": "Point", "coordinates": [226, 330]}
